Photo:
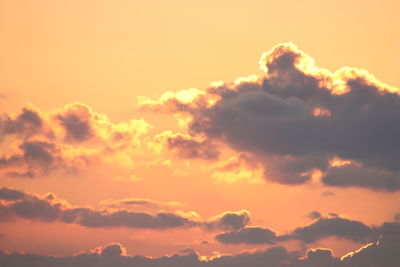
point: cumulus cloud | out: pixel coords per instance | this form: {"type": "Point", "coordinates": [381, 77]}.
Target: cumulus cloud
{"type": "Point", "coordinates": [34, 142]}
{"type": "Point", "coordinates": [25, 124]}
{"type": "Point", "coordinates": [75, 120]}
{"type": "Point", "coordinates": [298, 117]}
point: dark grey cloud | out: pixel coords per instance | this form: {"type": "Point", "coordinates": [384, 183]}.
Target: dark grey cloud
{"type": "Point", "coordinates": [324, 226]}
{"type": "Point", "coordinates": [383, 253]}
{"type": "Point", "coordinates": [33, 158]}
{"type": "Point", "coordinates": [123, 218]}
{"type": "Point", "coordinates": [320, 257]}
{"type": "Point", "coordinates": [76, 127]}
{"type": "Point", "coordinates": [27, 123]}
{"type": "Point", "coordinates": [49, 209]}
{"type": "Point", "coordinates": [248, 235]}
{"type": "Point", "coordinates": [313, 215]}
{"type": "Point", "coordinates": [10, 194]}
{"type": "Point", "coordinates": [36, 209]}
{"type": "Point", "coordinates": [298, 117]}
{"type": "Point", "coordinates": [113, 250]}
{"type": "Point", "coordinates": [332, 227]}
{"type": "Point", "coordinates": [350, 175]}
{"type": "Point", "coordinates": [378, 254]}
{"type": "Point", "coordinates": [229, 220]}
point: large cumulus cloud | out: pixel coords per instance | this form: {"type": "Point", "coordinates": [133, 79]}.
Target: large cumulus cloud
{"type": "Point", "coordinates": [297, 118]}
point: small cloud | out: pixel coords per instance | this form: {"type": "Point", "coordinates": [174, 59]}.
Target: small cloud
{"type": "Point", "coordinates": [313, 215]}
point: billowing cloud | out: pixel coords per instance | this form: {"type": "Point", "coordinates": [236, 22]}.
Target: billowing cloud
{"type": "Point", "coordinates": [35, 157]}
{"type": "Point", "coordinates": [299, 117]}
{"type": "Point", "coordinates": [25, 124]}
{"type": "Point", "coordinates": [76, 122]}
{"type": "Point", "coordinates": [34, 142]}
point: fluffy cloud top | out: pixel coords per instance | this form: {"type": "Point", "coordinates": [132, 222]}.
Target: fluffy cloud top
{"type": "Point", "coordinates": [297, 118]}
{"type": "Point", "coordinates": [35, 143]}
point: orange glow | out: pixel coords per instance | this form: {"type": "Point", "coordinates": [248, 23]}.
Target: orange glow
{"type": "Point", "coordinates": [128, 106]}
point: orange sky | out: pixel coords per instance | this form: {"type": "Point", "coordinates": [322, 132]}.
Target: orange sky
{"type": "Point", "coordinates": [106, 54]}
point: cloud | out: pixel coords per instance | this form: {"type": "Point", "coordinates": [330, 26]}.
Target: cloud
{"type": "Point", "coordinates": [141, 202]}
{"type": "Point", "coordinates": [332, 226]}
{"type": "Point", "coordinates": [229, 220]}
{"type": "Point", "coordinates": [35, 143]}
{"type": "Point", "coordinates": [298, 117]}
{"type": "Point", "coordinates": [374, 178]}
{"type": "Point", "coordinates": [25, 124]}
{"type": "Point", "coordinates": [320, 257]}
{"type": "Point", "coordinates": [191, 148]}
{"type": "Point", "coordinates": [324, 226]}
{"type": "Point", "coordinates": [109, 250]}
{"type": "Point", "coordinates": [248, 235]}
{"type": "Point", "coordinates": [123, 218]}
{"type": "Point", "coordinates": [10, 194]}
{"type": "Point", "coordinates": [382, 253]}
{"type": "Point", "coordinates": [49, 208]}
{"type": "Point", "coordinates": [33, 158]}
{"type": "Point", "coordinates": [313, 215]}
{"type": "Point", "coordinates": [75, 119]}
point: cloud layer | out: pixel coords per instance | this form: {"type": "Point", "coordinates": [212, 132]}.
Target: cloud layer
{"type": "Point", "coordinates": [17, 204]}
{"type": "Point", "coordinates": [382, 254]}
{"type": "Point", "coordinates": [324, 226]}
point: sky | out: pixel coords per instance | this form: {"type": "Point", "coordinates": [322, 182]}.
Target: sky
{"type": "Point", "coordinates": [199, 133]}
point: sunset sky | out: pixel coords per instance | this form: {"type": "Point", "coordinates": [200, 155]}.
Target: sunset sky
{"type": "Point", "coordinates": [199, 133]}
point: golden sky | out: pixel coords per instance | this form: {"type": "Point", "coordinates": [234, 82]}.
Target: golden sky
{"type": "Point", "coordinates": [210, 127]}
